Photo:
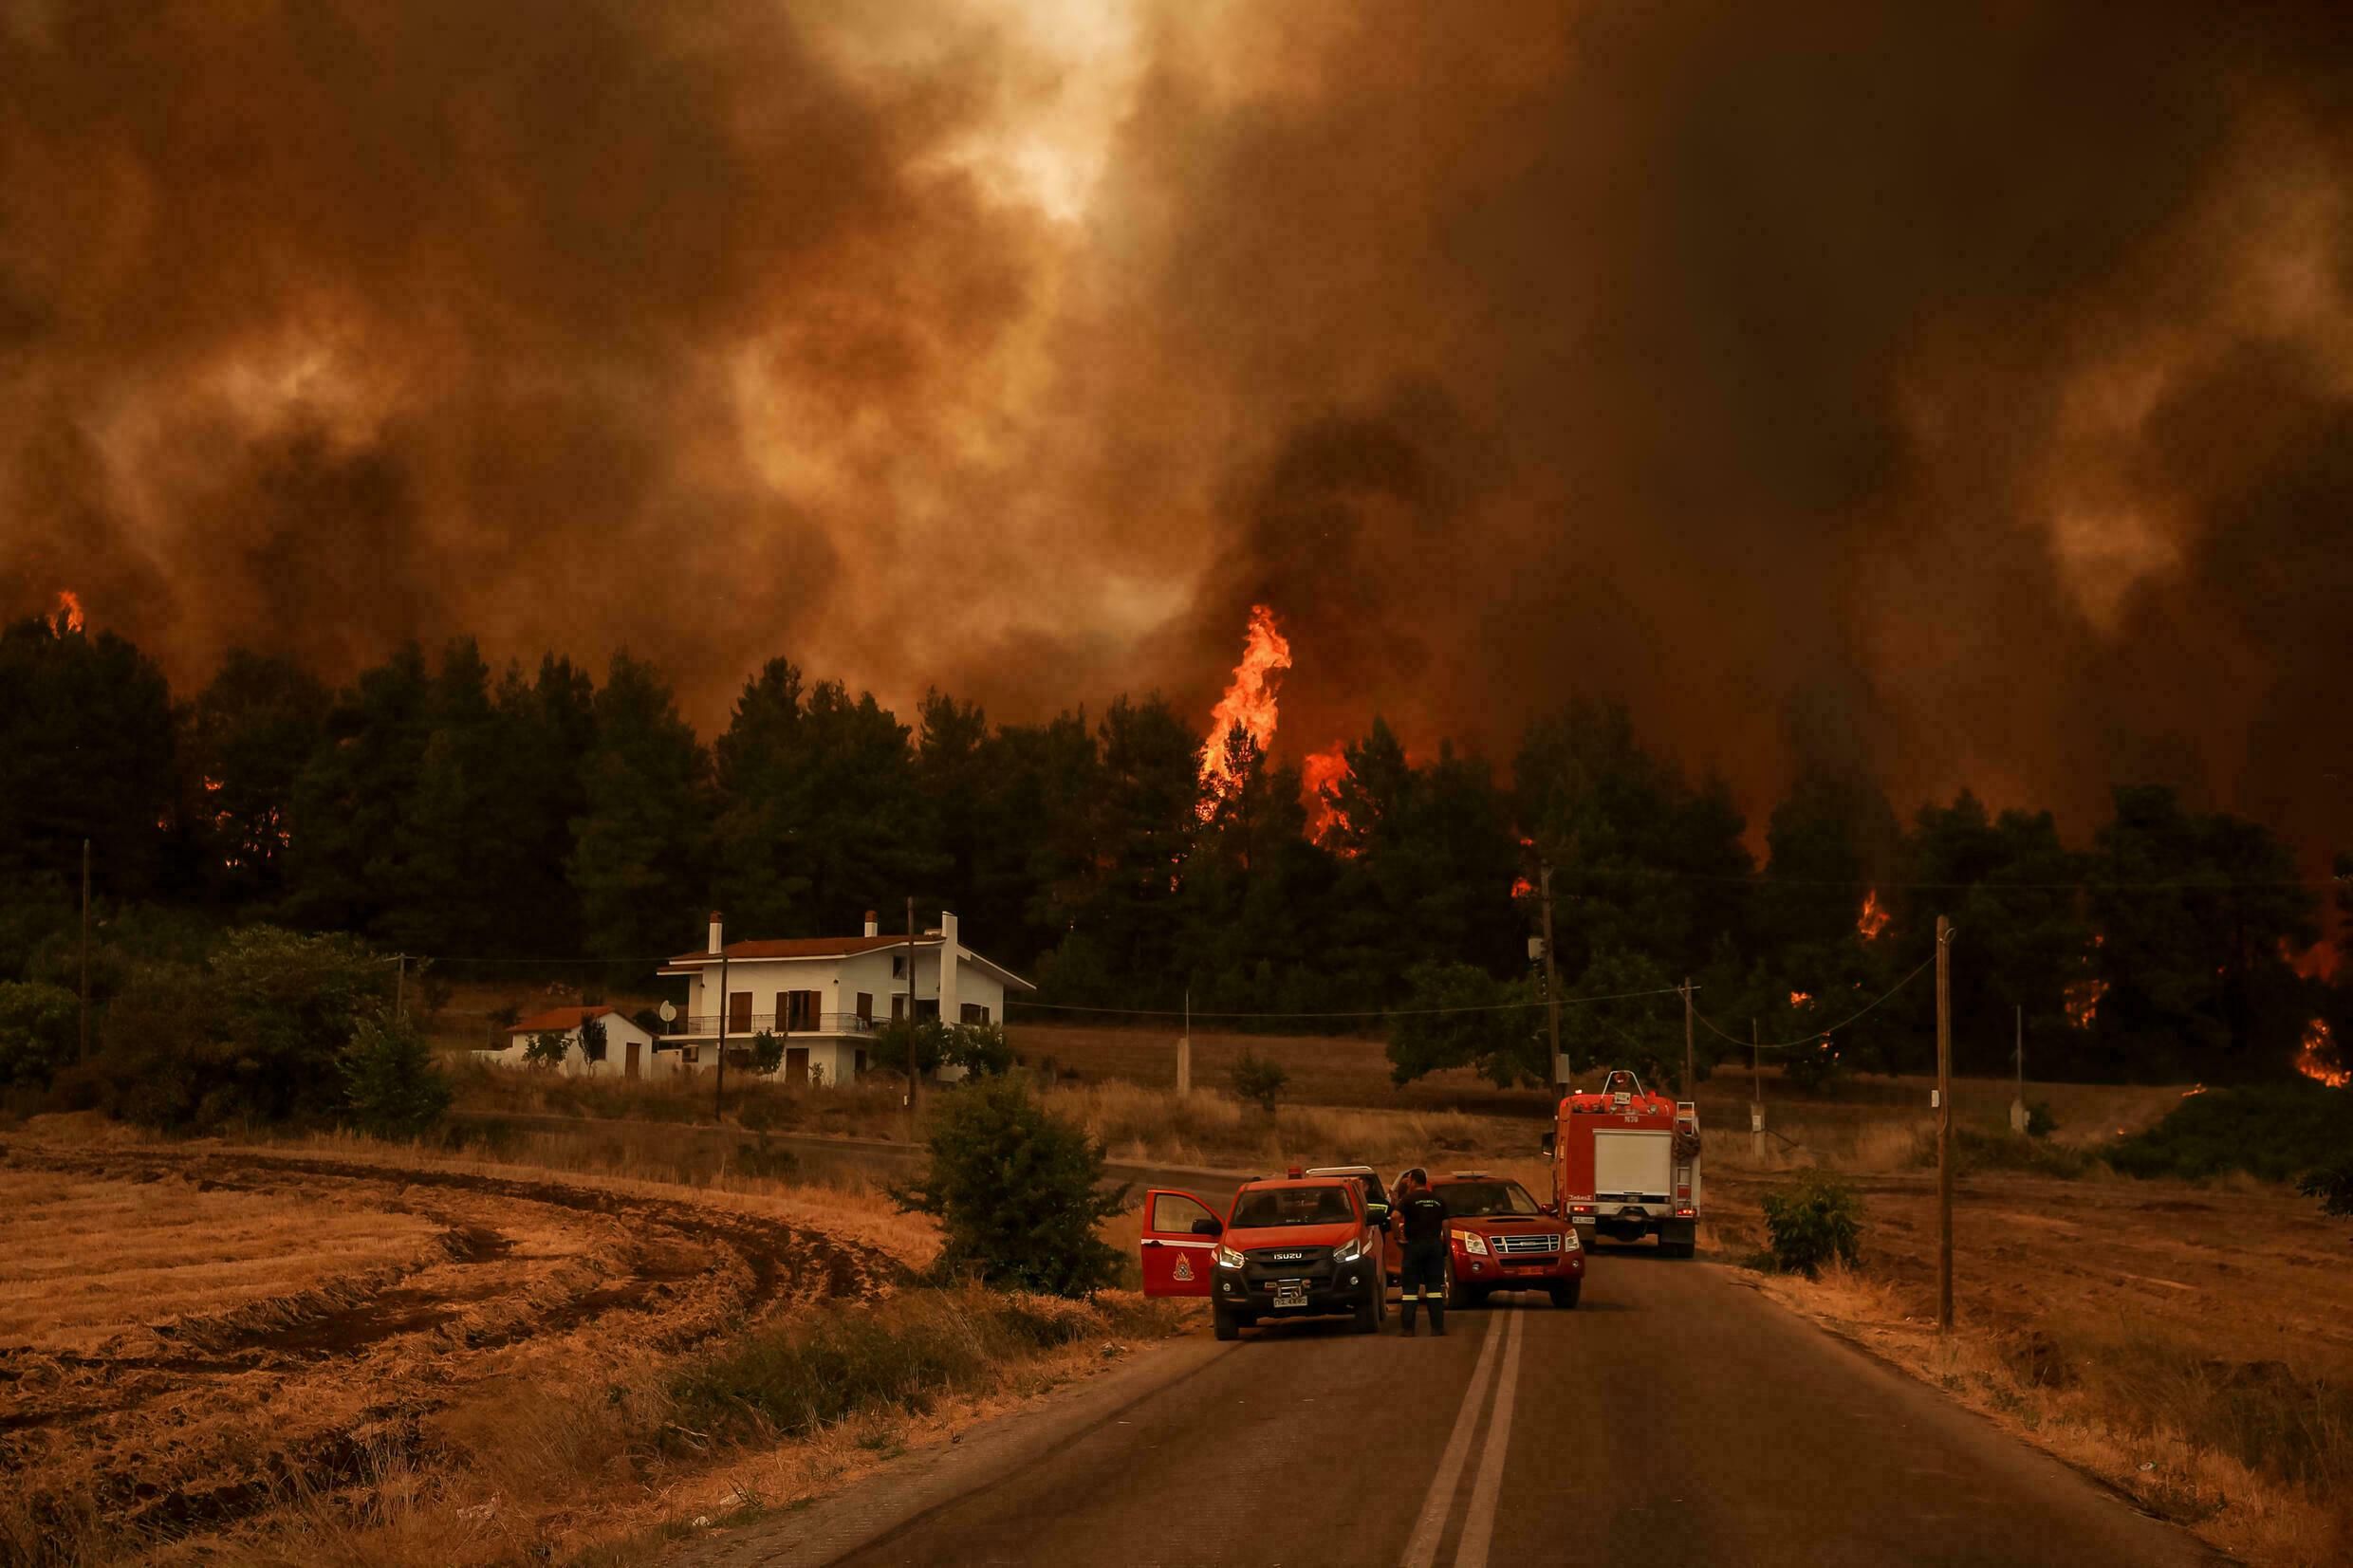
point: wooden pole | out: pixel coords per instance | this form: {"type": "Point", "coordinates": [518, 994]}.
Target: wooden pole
{"type": "Point", "coordinates": [85, 949]}
{"type": "Point", "coordinates": [1944, 1125]}
{"type": "Point", "coordinates": [1688, 1090]}
{"type": "Point", "coordinates": [1756, 1095]}
{"type": "Point", "coordinates": [1552, 977]}
{"type": "Point", "coordinates": [911, 1056]}
{"type": "Point", "coordinates": [400, 985]}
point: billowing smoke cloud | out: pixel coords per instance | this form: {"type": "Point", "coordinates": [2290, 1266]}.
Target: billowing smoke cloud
{"type": "Point", "coordinates": [1966, 398]}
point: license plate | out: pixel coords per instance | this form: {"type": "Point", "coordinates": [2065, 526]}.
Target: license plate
{"type": "Point", "coordinates": [1290, 1296]}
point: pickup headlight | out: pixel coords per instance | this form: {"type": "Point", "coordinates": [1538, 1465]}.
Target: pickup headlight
{"type": "Point", "coordinates": [1348, 1252]}
{"type": "Point", "coordinates": [1570, 1242]}
{"type": "Point", "coordinates": [1228, 1258]}
{"type": "Point", "coordinates": [1471, 1243]}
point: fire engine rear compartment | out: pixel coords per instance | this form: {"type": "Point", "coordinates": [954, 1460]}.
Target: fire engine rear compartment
{"type": "Point", "coordinates": [1632, 1166]}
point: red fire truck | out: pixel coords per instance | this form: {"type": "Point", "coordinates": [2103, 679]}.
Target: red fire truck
{"type": "Point", "coordinates": [1625, 1164]}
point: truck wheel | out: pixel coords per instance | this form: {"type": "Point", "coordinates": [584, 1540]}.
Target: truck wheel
{"type": "Point", "coordinates": [1224, 1324]}
{"type": "Point", "coordinates": [1565, 1296]}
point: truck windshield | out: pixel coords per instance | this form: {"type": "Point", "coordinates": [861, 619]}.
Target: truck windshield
{"type": "Point", "coordinates": [1275, 1205]}
{"type": "Point", "coordinates": [1473, 1200]}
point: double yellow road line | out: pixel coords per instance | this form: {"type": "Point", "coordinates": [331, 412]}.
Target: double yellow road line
{"type": "Point", "coordinates": [1503, 1332]}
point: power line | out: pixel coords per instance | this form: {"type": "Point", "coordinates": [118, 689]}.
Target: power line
{"type": "Point", "coordinates": [1810, 1038]}
{"type": "Point", "coordinates": [1359, 1012]}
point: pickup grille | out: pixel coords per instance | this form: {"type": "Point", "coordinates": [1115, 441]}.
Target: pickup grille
{"type": "Point", "coordinates": [1512, 1246]}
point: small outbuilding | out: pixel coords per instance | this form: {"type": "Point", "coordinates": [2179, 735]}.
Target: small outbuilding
{"type": "Point", "coordinates": [625, 1050]}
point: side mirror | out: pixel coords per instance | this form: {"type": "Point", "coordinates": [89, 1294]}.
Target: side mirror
{"type": "Point", "coordinates": [1551, 1208]}
{"type": "Point", "coordinates": [1547, 1143]}
{"type": "Point", "coordinates": [1208, 1225]}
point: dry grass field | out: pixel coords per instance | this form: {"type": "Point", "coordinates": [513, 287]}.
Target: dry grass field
{"type": "Point", "coordinates": [205, 1347]}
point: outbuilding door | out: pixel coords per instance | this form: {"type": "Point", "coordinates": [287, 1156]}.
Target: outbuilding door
{"type": "Point", "coordinates": [629, 1061]}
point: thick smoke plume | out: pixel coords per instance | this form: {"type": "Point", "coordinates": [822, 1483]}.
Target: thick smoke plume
{"type": "Point", "coordinates": [1962, 395]}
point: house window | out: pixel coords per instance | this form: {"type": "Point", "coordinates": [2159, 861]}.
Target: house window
{"type": "Point", "coordinates": [974, 1012]}
{"type": "Point", "coordinates": [899, 1007]}
{"type": "Point", "coordinates": [862, 1058]}
{"type": "Point", "coordinates": [865, 1006]}
{"type": "Point", "coordinates": [739, 1013]}
{"type": "Point", "coordinates": [927, 1007]}
{"type": "Point", "coordinates": [899, 966]}
{"type": "Point", "coordinates": [800, 1012]}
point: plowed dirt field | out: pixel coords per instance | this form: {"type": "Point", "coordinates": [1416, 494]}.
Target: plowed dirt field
{"type": "Point", "coordinates": [187, 1334]}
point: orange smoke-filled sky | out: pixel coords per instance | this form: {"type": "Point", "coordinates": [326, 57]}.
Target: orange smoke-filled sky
{"type": "Point", "coordinates": [1965, 396]}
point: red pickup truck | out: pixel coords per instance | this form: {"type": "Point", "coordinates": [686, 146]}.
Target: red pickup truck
{"type": "Point", "coordinates": [1294, 1246]}
{"type": "Point", "coordinates": [1500, 1238]}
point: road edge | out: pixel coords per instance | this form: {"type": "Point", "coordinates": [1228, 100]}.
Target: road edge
{"type": "Point", "coordinates": [898, 1494]}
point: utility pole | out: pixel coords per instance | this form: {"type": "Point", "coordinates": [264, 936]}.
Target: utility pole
{"type": "Point", "coordinates": [1552, 976]}
{"type": "Point", "coordinates": [911, 1036]}
{"type": "Point", "coordinates": [1944, 1125]}
{"type": "Point", "coordinates": [718, 1094]}
{"type": "Point", "coordinates": [400, 985]}
{"type": "Point", "coordinates": [1184, 1051]}
{"type": "Point", "coordinates": [1688, 1087]}
{"type": "Point", "coordinates": [2018, 1099]}
{"type": "Point", "coordinates": [1756, 1095]}
{"type": "Point", "coordinates": [85, 949]}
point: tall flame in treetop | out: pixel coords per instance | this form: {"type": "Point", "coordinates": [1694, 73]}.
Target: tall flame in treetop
{"type": "Point", "coordinates": [1873, 919]}
{"type": "Point", "coordinates": [1249, 696]}
{"type": "Point", "coordinates": [68, 615]}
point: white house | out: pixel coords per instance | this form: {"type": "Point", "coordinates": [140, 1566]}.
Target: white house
{"type": "Point", "coordinates": [628, 1050]}
{"type": "Point", "coordinates": [824, 996]}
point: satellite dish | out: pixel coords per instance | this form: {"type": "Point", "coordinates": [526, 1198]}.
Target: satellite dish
{"type": "Point", "coordinates": [669, 1013]}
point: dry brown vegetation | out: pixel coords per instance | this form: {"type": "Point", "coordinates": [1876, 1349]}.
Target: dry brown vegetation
{"type": "Point", "coordinates": [2193, 1346]}
{"type": "Point", "coordinates": [334, 1352]}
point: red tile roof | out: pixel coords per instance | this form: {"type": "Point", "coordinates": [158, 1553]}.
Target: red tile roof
{"type": "Point", "coordinates": [808, 947]}
{"type": "Point", "coordinates": [557, 1018]}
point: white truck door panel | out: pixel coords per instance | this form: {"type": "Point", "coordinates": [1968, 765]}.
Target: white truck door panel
{"type": "Point", "coordinates": [1632, 1161]}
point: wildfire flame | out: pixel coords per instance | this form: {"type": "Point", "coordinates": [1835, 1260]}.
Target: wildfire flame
{"type": "Point", "coordinates": [2320, 1059]}
{"type": "Point", "coordinates": [2082, 1000]}
{"type": "Point", "coordinates": [1873, 919]}
{"type": "Point", "coordinates": [1249, 696]}
{"type": "Point", "coordinates": [1799, 999]}
{"type": "Point", "coordinates": [68, 614]}
{"type": "Point", "coordinates": [1322, 771]}
{"type": "Point", "coordinates": [2193, 1091]}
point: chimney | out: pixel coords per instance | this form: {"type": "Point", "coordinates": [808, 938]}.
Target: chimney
{"type": "Point", "coordinates": [874, 927]}
{"type": "Point", "coordinates": [714, 933]}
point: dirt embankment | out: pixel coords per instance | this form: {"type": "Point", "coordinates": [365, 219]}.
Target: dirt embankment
{"type": "Point", "coordinates": [318, 1315]}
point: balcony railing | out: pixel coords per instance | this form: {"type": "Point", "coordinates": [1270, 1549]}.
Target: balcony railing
{"type": "Point", "coordinates": [706, 1025]}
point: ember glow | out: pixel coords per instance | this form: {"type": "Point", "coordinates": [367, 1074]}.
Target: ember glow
{"type": "Point", "coordinates": [1249, 699]}
{"type": "Point", "coordinates": [2082, 1000]}
{"type": "Point", "coordinates": [1873, 919]}
{"type": "Point", "coordinates": [2320, 1059]}
{"type": "Point", "coordinates": [67, 616]}
{"type": "Point", "coordinates": [1799, 999]}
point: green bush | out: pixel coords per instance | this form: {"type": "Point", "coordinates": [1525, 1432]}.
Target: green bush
{"type": "Point", "coordinates": [767, 1052]}
{"type": "Point", "coordinates": [980, 1049]}
{"type": "Point", "coordinates": [40, 1032]}
{"type": "Point", "coordinates": [548, 1048]}
{"type": "Point", "coordinates": [2332, 1185]}
{"type": "Point", "coordinates": [391, 1086]}
{"type": "Point", "coordinates": [1973, 1151]}
{"type": "Point", "coordinates": [1257, 1081]}
{"type": "Point", "coordinates": [1018, 1192]}
{"type": "Point", "coordinates": [2277, 1131]}
{"type": "Point", "coordinates": [1817, 1220]}
{"type": "Point", "coordinates": [2040, 1122]}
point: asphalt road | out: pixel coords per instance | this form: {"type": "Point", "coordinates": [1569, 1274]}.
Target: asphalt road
{"type": "Point", "coordinates": [1675, 1418]}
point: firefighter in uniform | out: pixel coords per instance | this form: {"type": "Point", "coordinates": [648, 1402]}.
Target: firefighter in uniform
{"type": "Point", "coordinates": [1423, 1276]}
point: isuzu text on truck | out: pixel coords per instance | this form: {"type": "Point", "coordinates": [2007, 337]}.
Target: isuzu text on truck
{"type": "Point", "coordinates": [1625, 1164]}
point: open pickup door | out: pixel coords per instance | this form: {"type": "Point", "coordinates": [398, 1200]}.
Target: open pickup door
{"type": "Point", "coordinates": [1179, 1246]}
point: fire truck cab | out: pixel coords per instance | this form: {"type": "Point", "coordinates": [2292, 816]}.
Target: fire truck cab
{"type": "Point", "coordinates": [1625, 1164]}
{"type": "Point", "coordinates": [1289, 1246]}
